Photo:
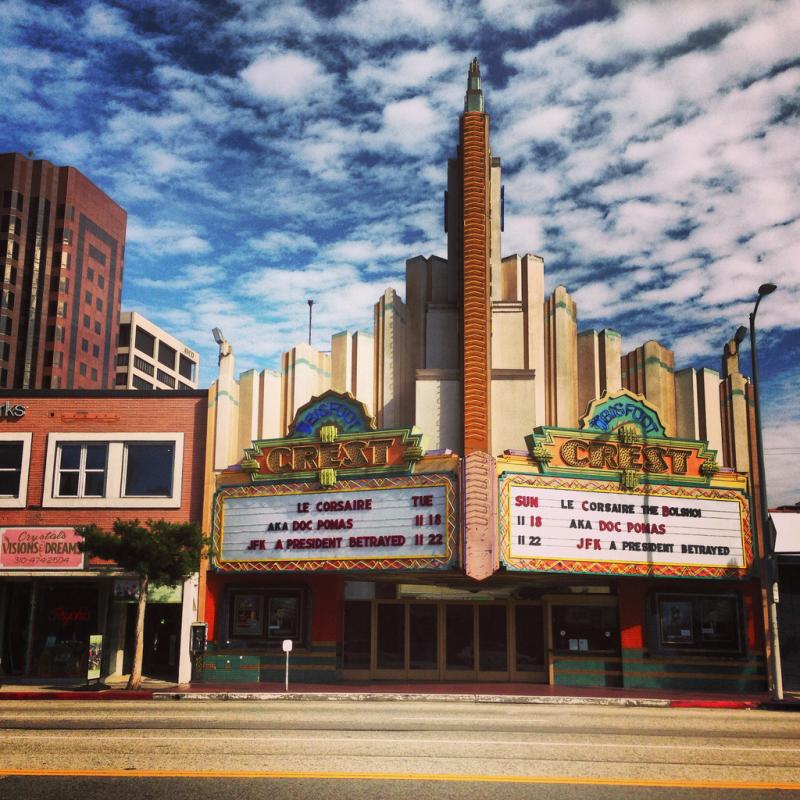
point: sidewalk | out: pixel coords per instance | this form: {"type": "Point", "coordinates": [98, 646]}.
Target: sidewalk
{"type": "Point", "coordinates": [153, 689]}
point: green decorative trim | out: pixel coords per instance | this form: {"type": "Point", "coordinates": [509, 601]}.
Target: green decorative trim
{"type": "Point", "coordinates": [541, 454]}
{"type": "Point", "coordinates": [304, 361]}
{"type": "Point", "coordinates": [657, 360]}
{"type": "Point", "coordinates": [710, 465]}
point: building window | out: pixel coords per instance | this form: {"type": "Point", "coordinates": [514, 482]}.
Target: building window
{"type": "Point", "coordinates": [122, 359]}
{"type": "Point", "coordinates": [82, 369]}
{"type": "Point", "coordinates": [143, 365]}
{"type": "Point", "coordinates": [582, 628]}
{"type": "Point", "coordinates": [186, 368]}
{"type": "Point", "coordinates": [140, 383]}
{"type": "Point", "coordinates": [10, 468]}
{"type": "Point", "coordinates": [108, 470]}
{"type": "Point", "coordinates": [145, 342]}
{"type": "Point", "coordinates": [96, 350]}
{"type": "Point", "coordinates": [96, 254]}
{"type": "Point", "coordinates": [101, 281]}
{"type": "Point", "coordinates": [148, 469]}
{"type": "Point", "coordinates": [15, 453]}
{"type": "Point", "coordinates": [81, 470]}
{"type": "Point", "coordinates": [90, 275]}
{"type": "Point", "coordinates": [124, 338]}
{"type": "Point", "coordinates": [12, 199]}
{"type": "Point", "coordinates": [122, 379]}
{"type": "Point", "coordinates": [166, 355]}
{"type": "Point", "coordinates": [59, 333]}
{"type": "Point", "coordinates": [3, 376]}
{"type": "Point", "coordinates": [5, 325]}
{"type": "Point", "coordinates": [698, 622]}
{"type": "Point", "coordinates": [7, 299]}
{"type": "Point", "coordinates": [98, 328]}
{"type": "Point", "coordinates": [271, 615]}
{"type": "Point", "coordinates": [88, 297]}
{"type": "Point", "coordinates": [98, 303]}
{"type": "Point", "coordinates": [87, 323]}
{"type": "Point", "coordinates": [94, 374]}
{"type": "Point", "coordinates": [5, 351]}
{"type": "Point", "coordinates": [165, 378]}
{"type": "Point", "coordinates": [85, 345]}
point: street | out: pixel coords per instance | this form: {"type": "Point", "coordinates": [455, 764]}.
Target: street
{"type": "Point", "coordinates": [325, 749]}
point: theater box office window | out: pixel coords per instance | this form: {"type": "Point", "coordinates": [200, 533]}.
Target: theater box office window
{"type": "Point", "coordinates": [661, 535]}
{"type": "Point", "coordinates": [335, 503]}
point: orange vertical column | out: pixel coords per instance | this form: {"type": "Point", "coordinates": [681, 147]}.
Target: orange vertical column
{"type": "Point", "coordinates": [479, 478]}
{"type": "Point", "coordinates": [476, 300]}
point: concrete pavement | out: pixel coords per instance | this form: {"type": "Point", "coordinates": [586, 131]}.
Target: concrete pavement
{"type": "Point", "coordinates": [529, 693]}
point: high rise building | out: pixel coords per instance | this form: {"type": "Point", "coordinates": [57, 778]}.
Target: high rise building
{"type": "Point", "coordinates": [62, 246]}
{"type": "Point", "coordinates": [150, 358]}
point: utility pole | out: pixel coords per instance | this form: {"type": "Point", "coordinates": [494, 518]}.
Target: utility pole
{"type": "Point", "coordinates": [310, 309]}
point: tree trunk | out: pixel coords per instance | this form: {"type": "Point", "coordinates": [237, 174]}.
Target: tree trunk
{"type": "Point", "coordinates": [135, 680]}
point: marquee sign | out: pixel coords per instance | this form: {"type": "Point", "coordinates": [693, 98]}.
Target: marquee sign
{"type": "Point", "coordinates": [566, 525]}
{"type": "Point", "coordinates": [379, 523]}
{"type": "Point", "coordinates": [621, 436]}
{"type": "Point", "coordinates": [342, 443]}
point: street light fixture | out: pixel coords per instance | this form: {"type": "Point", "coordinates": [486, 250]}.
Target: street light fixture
{"type": "Point", "coordinates": [770, 568]}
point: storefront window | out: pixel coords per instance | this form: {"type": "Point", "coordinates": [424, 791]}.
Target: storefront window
{"type": "Point", "coordinates": [699, 622]}
{"type": "Point", "coordinates": [67, 617]}
{"type": "Point", "coordinates": [266, 615]}
{"type": "Point", "coordinates": [585, 629]}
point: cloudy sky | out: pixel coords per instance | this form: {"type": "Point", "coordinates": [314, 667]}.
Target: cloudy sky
{"type": "Point", "coordinates": [268, 151]}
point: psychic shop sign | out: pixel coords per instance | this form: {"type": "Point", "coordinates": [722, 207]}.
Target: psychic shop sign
{"type": "Point", "coordinates": [40, 548]}
{"type": "Point", "coordinates": [553, 528]}
{"type": "Point", "coordinates": [360, 524]}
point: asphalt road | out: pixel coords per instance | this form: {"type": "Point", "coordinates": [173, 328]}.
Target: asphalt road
{"type": "Point", "coordinates": [324, 749]}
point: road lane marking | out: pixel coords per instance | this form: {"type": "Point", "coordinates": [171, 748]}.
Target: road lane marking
{"type": "Point", "coordinates": [401, 776]}
{"type": "Point", "coordinates": [33, 736]}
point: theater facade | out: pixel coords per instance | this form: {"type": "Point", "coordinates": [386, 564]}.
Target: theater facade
{"type": "Point", "coordinates": [517, 501]}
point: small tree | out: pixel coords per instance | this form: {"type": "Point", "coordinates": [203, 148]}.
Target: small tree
{"type": "Point", "coordinates": [158, 552]}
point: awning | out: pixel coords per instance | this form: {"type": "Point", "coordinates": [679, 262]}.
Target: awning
{"type": "Point", "coordinates": [787, 531]}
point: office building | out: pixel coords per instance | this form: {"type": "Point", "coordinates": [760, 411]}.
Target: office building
{"type": "Point", "coordinates": [62, 247]}
{"type": "Point", "coordinates": [150, 358]}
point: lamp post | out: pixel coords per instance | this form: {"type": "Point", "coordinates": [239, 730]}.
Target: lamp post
{"type": "Point", "coordinates": [310, 309]}
{"type": "Point", "coordinates": [770, 568]}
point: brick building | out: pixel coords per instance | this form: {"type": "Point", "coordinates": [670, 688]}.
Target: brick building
{"type": "Point", "coordinates": [72, 458]}
{"type": "Point", "coordinates": [62, 246]}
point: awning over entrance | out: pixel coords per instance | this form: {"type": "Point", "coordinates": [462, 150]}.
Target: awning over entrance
{"type": "Point", "coordinates": [787, 531]}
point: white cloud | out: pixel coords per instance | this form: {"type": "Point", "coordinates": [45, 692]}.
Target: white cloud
{"type": "Point", "coordinates": [166, 238]}
{"type": "Point", "coordinates": [286, 77]}
{"type": "Point", "coordinates": [278, 242]}
{"type": "Point", "coordinates": [105, 22]}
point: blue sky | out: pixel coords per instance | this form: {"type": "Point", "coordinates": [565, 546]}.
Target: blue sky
{"type": "Point", "coordinates": [268, 151]}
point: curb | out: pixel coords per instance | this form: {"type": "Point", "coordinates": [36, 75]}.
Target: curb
{"type": "Point", "coordinates": [109, 694]}
{"type": "Point", "coordinates": [376, 697]}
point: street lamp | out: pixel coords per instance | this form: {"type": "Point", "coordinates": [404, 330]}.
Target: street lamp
{"type": "Point", "coordinates": [770, 568]}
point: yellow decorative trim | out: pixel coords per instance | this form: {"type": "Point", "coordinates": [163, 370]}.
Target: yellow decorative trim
{"type": "Point", "coordinates": [327, 477]}
{"type": "Point", "coordinates": [327, 433]}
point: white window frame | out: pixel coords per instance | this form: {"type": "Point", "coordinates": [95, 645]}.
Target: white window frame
{"type": "Point", "coordinates": [19, 502]}
{"type": "Point", "coordinates": [82, 471]}
{"type": "Point", "coordinates": [115, 470]}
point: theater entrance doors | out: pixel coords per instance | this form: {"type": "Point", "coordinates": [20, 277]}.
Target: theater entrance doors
{"type": "Point", "coordinates": [444, 640]}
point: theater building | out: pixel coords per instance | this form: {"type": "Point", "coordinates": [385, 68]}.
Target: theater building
{"type": "Point", "coordinates": [517, 500]}
{"type": "Point", "coordinates": [70, 458]}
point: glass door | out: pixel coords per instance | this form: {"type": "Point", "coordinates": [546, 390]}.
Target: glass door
{"type": "Point", "coordinates": [423, 641]}
{"type": "Point", "coordinates": [529, 662]}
